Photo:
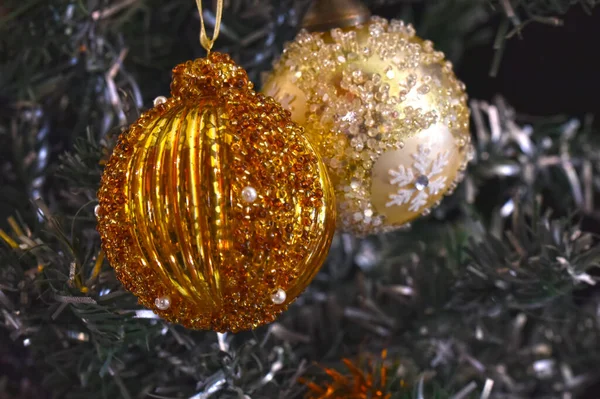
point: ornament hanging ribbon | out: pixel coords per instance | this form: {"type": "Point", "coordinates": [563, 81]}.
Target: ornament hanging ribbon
{"type": "Point", "coordinates": [204, 40]}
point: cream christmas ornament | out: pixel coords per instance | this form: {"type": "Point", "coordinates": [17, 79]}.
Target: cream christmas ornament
{"type": "Point", "coordinates": [387, 114]}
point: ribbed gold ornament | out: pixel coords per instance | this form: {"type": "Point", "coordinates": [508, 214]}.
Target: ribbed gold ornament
{"type": "Point", "coordinates": [385, 111]}
{"type": "Point", "coordinates": [214, 209]}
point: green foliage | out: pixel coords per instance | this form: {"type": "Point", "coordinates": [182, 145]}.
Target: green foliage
{"type": "Point", "coordinates": [491, 287]}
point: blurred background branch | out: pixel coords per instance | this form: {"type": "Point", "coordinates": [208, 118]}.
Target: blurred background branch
{"type": "Point", "coordinates": [493, 296]}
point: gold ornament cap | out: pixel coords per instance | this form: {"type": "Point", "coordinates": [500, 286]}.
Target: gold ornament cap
{"type": "Point", "coordinates": [328, 14]}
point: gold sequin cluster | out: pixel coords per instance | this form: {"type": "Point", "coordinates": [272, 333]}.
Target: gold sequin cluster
{"type": "Point", "coordinates": [366, 91]}
{"type": "Point", "coordinates": [362, 381]}
{"type": "Point", "coordinates": [214, 209]}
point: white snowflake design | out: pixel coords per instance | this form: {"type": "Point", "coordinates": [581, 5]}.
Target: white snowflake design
{"type": "Point", "coordinates": [417, 182]}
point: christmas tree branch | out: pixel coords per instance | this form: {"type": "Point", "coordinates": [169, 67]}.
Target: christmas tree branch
{"type": "Point", "coordinates": [486, 298]}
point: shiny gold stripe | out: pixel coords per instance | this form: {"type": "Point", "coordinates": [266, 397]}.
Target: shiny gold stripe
{"type": "Point", "coordinates": [179, 184]}
{"type": "Point", "coordinates": [161, 204]}
{"type": "Point", "coordinates": [136, 197]}
{"type": "Point", "coordinates": [145, 181]}
{"type": "Point", "coordinates": [215, 187]}
{"type": "Point", "coordinates": [165, 204]}
{"type": "Point", "coordinates": [198, 207]}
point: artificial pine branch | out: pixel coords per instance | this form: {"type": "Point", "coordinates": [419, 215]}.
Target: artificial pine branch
{"type": "Point", "coordinates": [473, 294]}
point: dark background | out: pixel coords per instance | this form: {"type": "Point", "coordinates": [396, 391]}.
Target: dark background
{"type": "Point", "coordinates": [548, 70]}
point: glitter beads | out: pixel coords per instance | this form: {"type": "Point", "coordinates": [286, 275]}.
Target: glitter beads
{"type": "Point", "coordinates": [214, 210]}
{"type": "Point", "coordinates": [387, 114]}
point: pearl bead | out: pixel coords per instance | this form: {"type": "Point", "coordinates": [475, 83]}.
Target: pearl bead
{"type": "Point", "coordinates": [160, 100]}
{"type": "Point", "coordinates": [249, 194]}
{"type": "Point", "coordinates": [96, 210]}
{"type": "Point", "coordinates": [278, 297]}
{"type": "Point", "coordinates": [163, 302]}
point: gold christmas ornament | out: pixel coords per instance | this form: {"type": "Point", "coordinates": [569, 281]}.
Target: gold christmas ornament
{"type": "Point", "coordinates": [386, 113]}
{"type": "Point", "coordinates": [214, 209]}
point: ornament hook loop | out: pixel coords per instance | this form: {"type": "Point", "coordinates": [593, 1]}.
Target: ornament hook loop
{"type": "Point", "coordinates": [204, 40]}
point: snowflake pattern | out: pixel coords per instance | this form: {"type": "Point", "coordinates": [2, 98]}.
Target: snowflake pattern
{"type": "Point", "coordinates": [417, 182]}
